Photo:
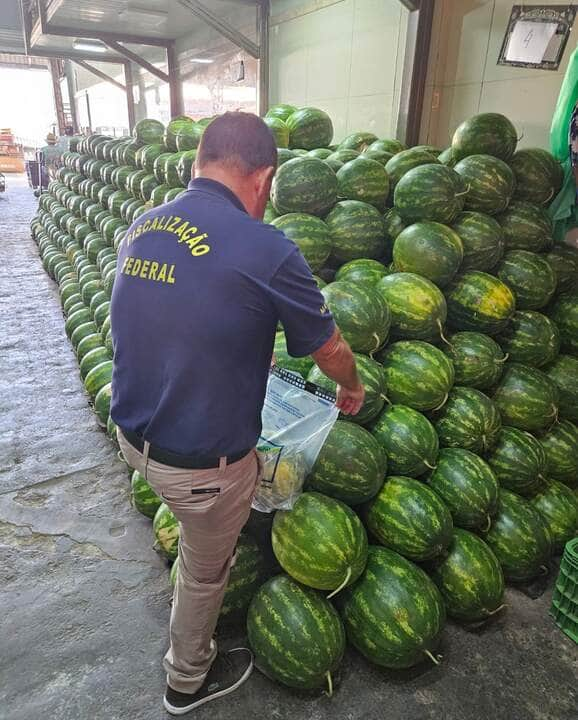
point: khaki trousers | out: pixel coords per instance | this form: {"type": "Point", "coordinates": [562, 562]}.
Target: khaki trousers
{"type": "Point", "coordinates": [209, 525]}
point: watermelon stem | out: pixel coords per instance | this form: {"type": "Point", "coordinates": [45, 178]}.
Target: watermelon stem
{"type": "Point", "coordinates": [442, 336]}
{"type": "Point", "coordinates": [466, 191]}
{"type": "Point", "coordinates": [343, 584]}
{"type": "Point", "coordinates": [497, 610]}
{"type": "Point", "coordinates": [488, 525]}
{"type": "Point", "coordinates": [329, 691]}
{"type": "Point", "coordinates": [435, 660]}
{"type": "Point", "coordinates": [384, 397]}
{"type": "Point", "coordinates": [376, 348]}
{"type": "Point", "coordinates": [504, 359]}
{"type": "Point", "coordinates": [544, 569]}
{"type": "Point", "coordinates": [428, 465]}
{"type": "Point", "coordinates": [550, 196]}
{"type": "Point", "coordinates": [443, 402]}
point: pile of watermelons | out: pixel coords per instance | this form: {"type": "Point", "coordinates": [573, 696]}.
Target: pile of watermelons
{"type": "Point", "coordinates": [460, 471]}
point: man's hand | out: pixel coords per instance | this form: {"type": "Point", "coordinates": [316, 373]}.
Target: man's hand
{"type": "Point", "coordinates": [350, 401]}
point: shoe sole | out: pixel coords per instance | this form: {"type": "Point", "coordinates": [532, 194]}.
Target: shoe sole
{"type": "Point", "coordinates": [193, 706]}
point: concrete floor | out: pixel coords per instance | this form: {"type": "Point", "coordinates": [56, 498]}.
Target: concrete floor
{"type": "Point", "coordinates": [84, 599]}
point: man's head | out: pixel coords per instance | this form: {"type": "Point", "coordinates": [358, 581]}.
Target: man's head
{"type": "Point", "coordinates": [238, 150]}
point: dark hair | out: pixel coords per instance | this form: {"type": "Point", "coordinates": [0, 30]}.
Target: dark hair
{"type": "Point", "coordinates": [240, 140]}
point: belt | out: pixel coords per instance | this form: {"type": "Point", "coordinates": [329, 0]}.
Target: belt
{"type": "Point", "coordinates": [187, 462]}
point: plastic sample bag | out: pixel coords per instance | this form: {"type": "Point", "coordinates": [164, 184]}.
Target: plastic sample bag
{"type": "Point", "coordinates": [297, 417]}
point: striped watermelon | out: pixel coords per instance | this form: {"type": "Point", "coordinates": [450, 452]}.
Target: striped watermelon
{"type": "Point", "coordinates": [429, 192]}
{"type": "Point", "coordinates": [359, 141]}
{"type": "Point", "coordinates": [526, 227]}
{"type": "Point", "coordinates": [531, 338]}
{"type": "Point", "coordinates": [295, 634]}
{"type": "Point", "coordinates": [311, 235]}
{"type": "Point", "coordinates": [479, 302]}
{"type": "Point", "coordinates": [539, 176]}
{"type": "Point", "coordinates": [518, 538]}
{"type": "Point", "coordinates": [364, 271]}
{"type": "Point", "coordinates": [279, 130]}
{"type": "Point", "coordinates": [558, 508]}
{"type": "Point", "coordinates": [343, 156]}
{"type": "Point", "coordinates": [304, 185]}
{"type": "Point", "coordinates": [361, 314]}
{"type": "Point", "coordinates": [378, 155]}
{"type": "Point", "coordinates": [372, 376]}
{"type": "Point", "coordinates": [166, 531]}
{"type": "Point", "coordinates": [518, 461]}
{"type": "Point", "coordinates": [102, 404]}
{"type": "Point", "coordinates": [417, 374]}
{"type": "Point", "coordinates": [282, 111]}
{"type": "Point", "coordinates": [321, 153]}
{"type": "Point", "coordinates": [76, 319]}
{"type": "Point", "coordinates": [468, 487]}
{"type": "Point", "coordinates": [98, 377]}
{"type": "Point", "coordinates": [363, 179]}
{"type": "Point", "coordinates": [530, 277]}
{"type": "Point", "coordinates": [418, 308]}
{"type": "Point", "coordinates": [393, 223]}
{"type": "Point", "coordinates": [329, 565]}
{"type": "Point", "coordinates": [406, 516]}
{"type": "Point", "coordinates": [429, 249]}
{"type": "Point", "coordinates": [86, 345]}
{"type": "Point", "coordinates": [490, 183]}
{"type": "Point", "coordinates": [148, 131]}
{"type": "Point", "coordinates": [283, 155]}
{"type": "Point", "coordinates": [144, 498]}
{"type": "Point", "coordinates": [390, 146]}
{"type": "Point", "coordinates": [309, 128]}
{"type": "Point", "coordinates": [561, 447]}
{"type": "Point", "coordinates": [447, 157]}
{"type": "Point", "coordinates": [564, 372]}
{"type": "Point", "coordinates": [81, 332]}
{"type": "Point", "coordinates": [356, 230]}
{"type": "Point", "coordinates": [564, 312]}
{"type": "Point", "coordinates": [270, 213]}
{"type": "Point", "coordinates": [351, 465]}
{"type": "Point", "coordinates": [564, 261]}
{"type": "Point", "coordinates": [395, 614]}
{"type": "Point", "coordinates": [470, 579]}
{"type": "Point", "coordinates": [526, 398]}
{"type": "Point", "coordinates": [469, 420]}
{"type": "Point", "coordinates": [406, 160]}
{"type": "Point", "coordinates": [300, 365]}
{"type": "Point", "coordinates": [485, 134]}
{"type": "Point", "coordinates": [477, 359]}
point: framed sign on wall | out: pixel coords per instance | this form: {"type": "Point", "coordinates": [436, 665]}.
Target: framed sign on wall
{"type": "Point", "coordinates": [537, 35]}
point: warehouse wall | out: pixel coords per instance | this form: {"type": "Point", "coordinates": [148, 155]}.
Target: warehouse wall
{"type": "Point", "coordinates": [344, 56]}
{"type": "Point", "coordinates": [464, 77]}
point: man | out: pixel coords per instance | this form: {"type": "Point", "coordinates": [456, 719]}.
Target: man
{"type": "Point", "coordinates": [201, 284]}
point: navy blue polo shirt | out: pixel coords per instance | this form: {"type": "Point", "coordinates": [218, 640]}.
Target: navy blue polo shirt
{"type": "Point", "coordinates": [199, 289]}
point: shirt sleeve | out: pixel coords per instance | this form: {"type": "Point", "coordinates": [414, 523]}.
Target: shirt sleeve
{"type": "Point", "coordinates": [306, 319]}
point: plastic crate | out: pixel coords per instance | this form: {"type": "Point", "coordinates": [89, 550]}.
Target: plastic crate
{"type": "Point", "coordinates": [565, 597]}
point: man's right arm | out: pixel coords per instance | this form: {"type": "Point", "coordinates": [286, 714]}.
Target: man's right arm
{"type": "Point", "coordinates": [336, 360]}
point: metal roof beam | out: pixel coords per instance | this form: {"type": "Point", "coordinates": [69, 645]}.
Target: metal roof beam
{"type": "Point", "coordinates": [103, 35]}
{"type": "Point", "coordinates": [130, 55]}
{"type": "Point", "coordinates": [99, 74]}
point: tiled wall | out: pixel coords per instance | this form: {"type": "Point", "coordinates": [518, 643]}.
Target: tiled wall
{"type": "Point", "coordinates": [464, 77]}
{"type": "Point", "coordinates": [344, 56]}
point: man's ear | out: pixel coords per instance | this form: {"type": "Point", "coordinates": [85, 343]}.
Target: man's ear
{"type": "Point", "coordinates": [263, 179]}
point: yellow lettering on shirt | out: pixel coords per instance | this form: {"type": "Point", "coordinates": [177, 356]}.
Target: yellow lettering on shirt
{"type": "Point", "coordinates": [174, 223]}
{"type": "Point", "coordinates": [146, 225]}
{"type": "Point", "coordinates": [200, 250]}
{"type": "Point", "coordinates": [155, 224]}
{"type": "Point", "coordinates": [179, 231]}
{"type": "Point", "coordinates": [187, 234]}
{"type": "Point", "coordinates": [136, 267]}
{"type": "Point", "coordinates": [171, 277]}
{"type": "Point", "coordinates": [162, 276]}
{"type": "Point", "coordinates": [145, 269]}
{"type": "Point", "coordinates": [138, 231]}
{"type": "Point", "coordinates": [153, 271]}
{"type": "Point", "coordinates": [127, 265]}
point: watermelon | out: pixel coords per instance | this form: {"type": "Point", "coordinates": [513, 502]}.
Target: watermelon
{"type": "Point", "coordinates": [159, 166]}
{"type": "Point", "coordinates": [102, 404]}
{"type": "Point", "coordinates": [418, 308]}
{"type": "Point", "coordinates": [356, 230]}
{"type": "Point", "coordinates": [558, 509]}
{"type": "Point", "coordinates": [561, 447]}
{"type": "Point", "coordinates": [564, 371]}
{"type": "Point", "coordinates": [518, 461]}
{"type": "Point", "coordinates": [393, 223]}
{"type": "Point", "coordinates": [526, 227]}
{"type": "Point", "coordinates": [321, 153]}
{"type": "Point", "coordinates": [147, 155]}
{"type": "Point", "coordinates": [149, 132]}
{"type": "Point", "coordinates": [417, 374]}
{"type": "Point", "coordinates": [98, 377]}
{"type": "Point", "coordinates": [395, 614]}
{"type": "Point", "coordinates": [304, 184]}
{"type": "Point", "coordinates": [378, 155]}
{"type": "Point", "coordinates": [479, 302]}
{"type": "Point", "coordinates": [429, 249]}
{"type": "Point", "coordinates": [342, 156]}
{"type": "Point", "coordinates": [530, 277]}
{"type": "Point", "coordinates": [406, 160]}
{"type": "Point", "coordinates": [485, 134]}
{"type": "Point", "coordinates": [361, 314]}
{"type": "Point", "coordinates": [531, 338]}
{"type": "Point", "coordinates": [82, 331]}
{"type": "Point", "coordinates": [564, 261]}
{"type": "Point", "coordinates": [189, 136]}
{"type": "Point", "coordinates": [311, 235]}
{"type": "Point", "coordinates": [279, 130]}
{"type": "Point", "coordinates": [174, 128]}
{"type": "Point", "coordinates": [539, 176]}
{"type": "Point", "coordinates": [468, 487]}
{"type": "Point", "coordinates": [469, 420]}
{"type": "Point", "coordinates": [270, 213]}
{"type": "Point", "coordinates": [295, 634]}
{"type": "Point", "coordinates": [282, 111]}
{"type": "Point", "coordinates": [76, 319]}
{"type": "Point", "coordinates": [359, 141]}
{"type": "Point", "coordinates": [470, 579]}
{"type": "Point", "coordinates": [429, 192]}
{"type": "Point", "coordinates": [166, 532]}
{"type": "Point", "coordinates": [185, 167]}
{"type": "Point", "coordinates": [351, 465]}
{"type": "Point", "coordinates": [518, 538]}
{"type": "Point", "coordinates": [489, 181]}
{"type": "Point", "coordinates": [335, 562]}
{"type": "Point", "coordinates": [564, 312]}
{"type": "Point", "coordinates": [390, 146]}
{"type": "Point", "coordinates": [91, 359]}
{"type": "Point", "coordinates": [363, 271]}
{"type": "Point", "coordinates": [447, 157]}
{"type": "Point", "coordinates": [409, 440]}
{"type": "Point", "coordinates": [301, 365]}
{"type": "Point", "coordinates": [309, 128]}
{"type": "Point", "coordinates": [86, 345]}
{"type": "Point", "coordinates": [365, 180]}
{"type": "Point", "coordinates": [144, 498]}
{"type": "Point", "coordinates": [406, 516]}
{"type": "Point", "coordinates": [477, 359]}
{"type": "Point", "coordinates": [527, 398]}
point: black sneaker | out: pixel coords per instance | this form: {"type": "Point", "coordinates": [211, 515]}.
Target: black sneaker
{"type": "Point", "coordinates": [228, 672]}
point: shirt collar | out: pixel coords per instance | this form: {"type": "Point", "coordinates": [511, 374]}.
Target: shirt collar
{"type": "Point", "coordinates": [212, 187]}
